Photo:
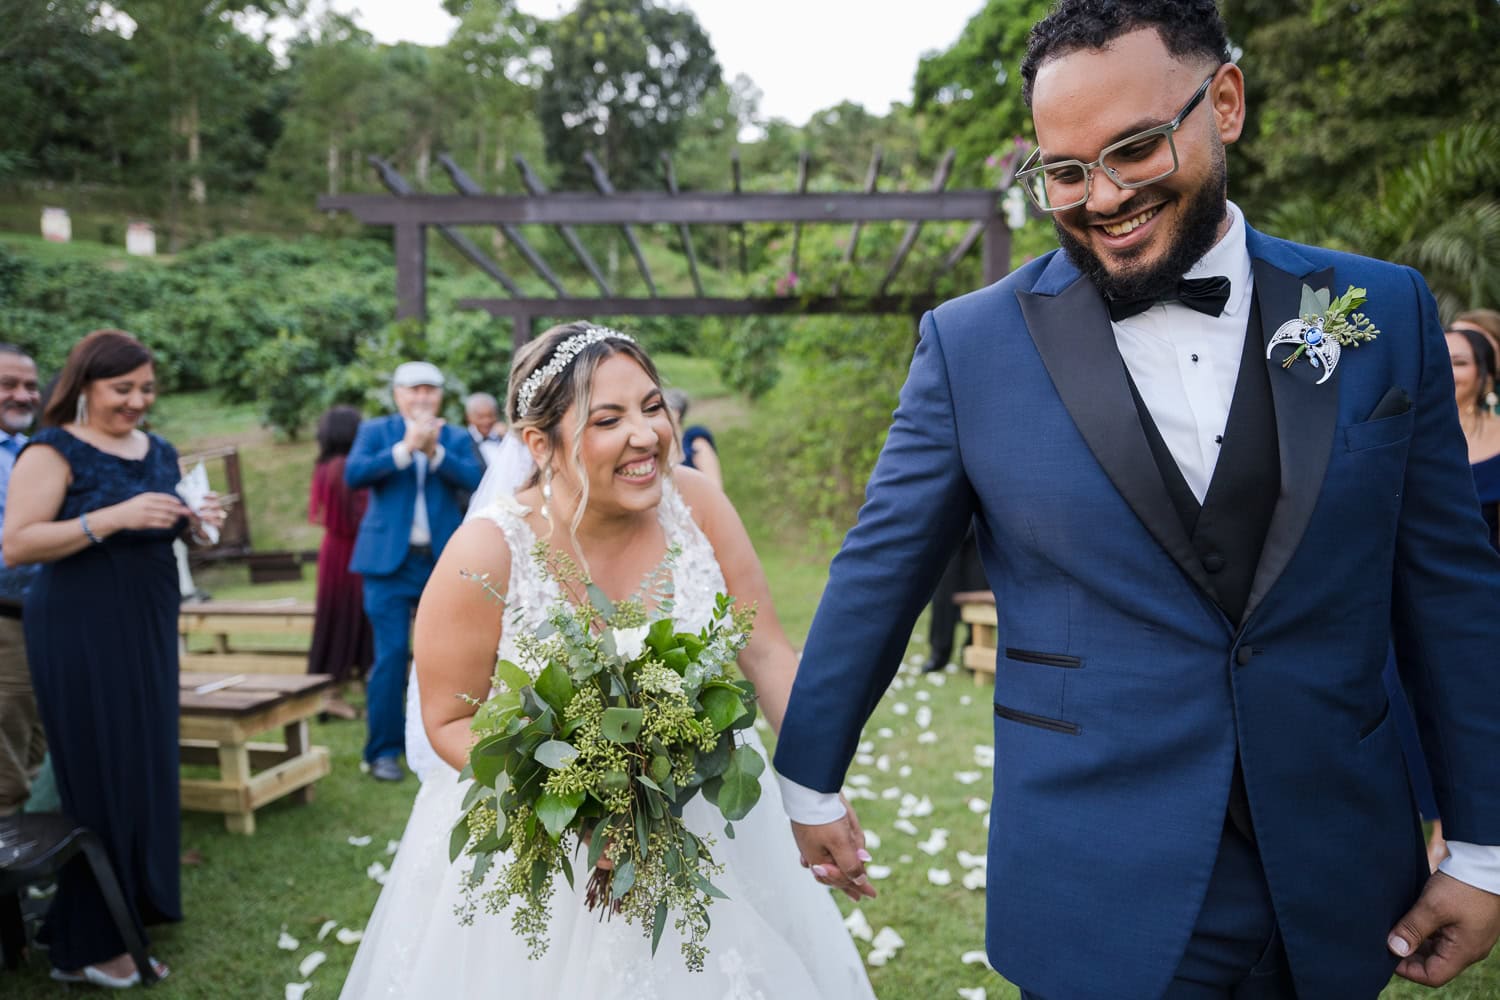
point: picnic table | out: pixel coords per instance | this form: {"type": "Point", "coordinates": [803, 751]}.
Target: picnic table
{"type": "Point", "coordinates": [221, 712]}
{"type": "Point", "coordinates": [977, 608]}
{"type": "Point", "coordinates": [228, 623]}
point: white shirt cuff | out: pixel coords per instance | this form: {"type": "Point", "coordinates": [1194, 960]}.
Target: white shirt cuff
{"type": "Point", "coordinates": [1474, 864]}
{"type": "Point", "coordinates": [437, 457]}
{"type": "Point", "coordinates": [808, 807]}
{"type": "Point", "coordinates": [400, 454]}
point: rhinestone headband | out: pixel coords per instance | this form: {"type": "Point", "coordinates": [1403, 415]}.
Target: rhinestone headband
{"type": "Point", "coordinates": [561, 359]}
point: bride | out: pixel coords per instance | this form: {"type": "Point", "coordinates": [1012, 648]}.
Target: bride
{"type": "Point", "coordinates": [587, 403]}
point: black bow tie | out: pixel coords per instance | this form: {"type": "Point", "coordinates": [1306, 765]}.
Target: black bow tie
{"type": "Point", "coordinates": [1207, 295]}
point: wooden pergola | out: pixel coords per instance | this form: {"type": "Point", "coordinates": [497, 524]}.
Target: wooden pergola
{"type": "Point", "coordinates": [412, 214]}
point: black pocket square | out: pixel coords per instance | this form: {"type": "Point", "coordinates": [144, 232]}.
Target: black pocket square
{"type": "Point", "coordinates": [1394, 403]}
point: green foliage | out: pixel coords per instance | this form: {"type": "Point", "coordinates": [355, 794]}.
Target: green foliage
{"type": "Point", "coordinates": [624, 75]}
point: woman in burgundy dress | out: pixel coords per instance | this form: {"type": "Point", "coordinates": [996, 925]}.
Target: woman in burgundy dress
{"type": "Point", "coordinates": [342, 644]}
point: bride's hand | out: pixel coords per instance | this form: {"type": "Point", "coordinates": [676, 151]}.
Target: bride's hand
{"type": "Point", "coordinates": [832, 875]}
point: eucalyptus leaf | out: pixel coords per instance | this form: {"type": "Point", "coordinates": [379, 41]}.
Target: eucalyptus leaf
{"type": "Point", "coordinates": [623, 880]}
{"type": "Point", "coordinates": [621, 725]}
{"type": "Point", "coordinates": [601, 603]}
{"type": "Point", "coordinates": [514, 677]}
{"type": "Point", "coordinates": [741, 788]}
{"type": "Point", "coordinates": [1310, 305]}
{"type": "Point", "coordinates": [722, 704]}
{"type": "Point", "coordinates": [661, 637]}
{"type": "Point", "coordinates": [645, 779]}
{"type": "Point", "coordinates": [598, 840]}
{"type": "Point", "coordinates": [457, 839]}
{"type": "Point", "coordinates": [567, 869]}
{"type": "Point", "coordinates": [555, 688]}
{"type": "Point", "coordinates": [557, 811]}
{"type": "Point", "coordinates": [555, 754]}
{"type": "Point", "coordinates": [705, 886]}
{"type": "Point", "coordinates": [658, 924]}
{"type": "Point", "coordinates": [539, 874]}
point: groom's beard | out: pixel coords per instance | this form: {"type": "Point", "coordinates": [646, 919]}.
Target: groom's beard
{"type": "Point", "coordinates": [1197, 234]}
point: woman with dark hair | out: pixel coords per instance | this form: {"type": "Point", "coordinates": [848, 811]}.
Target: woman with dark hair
{"type": "Point", "coordinates": [92, 500]}
{"type": "Point", "coordinates": [342, 644]}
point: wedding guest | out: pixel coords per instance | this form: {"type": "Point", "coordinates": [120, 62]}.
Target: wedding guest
{"type": "Point", "coordinates": [698, 448]}
{"type": "Point", "coordinates": [342, 644]}
{"type": "Point", "coordinates": [23, 744]}
{"type": "Point", "coordinates": [483, 415]}
{"type": "Point", "coordinates": [418, 470]}
{"type": "Point", "coordinates": [93, 502]}
{"type": "Point", "coordinates": [1486, 322]}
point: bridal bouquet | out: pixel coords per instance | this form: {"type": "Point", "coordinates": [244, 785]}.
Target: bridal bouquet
{"type": "Point", "coordinates": [622, 720]}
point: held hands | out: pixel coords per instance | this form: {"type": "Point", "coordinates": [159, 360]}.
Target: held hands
{"type": "Point", "coordinates": [836, 853]}
{"type": "Point", "coordinates": [1451, 926]}
{"type": "Point", "coordinates": [142, 512]}
{"type": "Point", "coordinates": [422, 433]}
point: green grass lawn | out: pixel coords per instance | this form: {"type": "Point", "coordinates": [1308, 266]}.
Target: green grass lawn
{"type": "Point", "coordinates": [300, 870]}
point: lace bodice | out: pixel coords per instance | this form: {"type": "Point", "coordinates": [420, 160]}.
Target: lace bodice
{"type": "Point", "coordinates": [696, 577]}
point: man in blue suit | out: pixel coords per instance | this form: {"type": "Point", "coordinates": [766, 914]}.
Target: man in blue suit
{"type": "Point", "coordinates": [415, 467]}
{"type": "Point", "coordinates": [1206, 508]}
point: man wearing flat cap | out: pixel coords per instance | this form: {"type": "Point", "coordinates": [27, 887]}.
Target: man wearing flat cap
{"type": "Point", "coordinates": [416, 469]}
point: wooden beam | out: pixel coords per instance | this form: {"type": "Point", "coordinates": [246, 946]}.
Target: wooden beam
{"type": "Point", "coordinates": [650, 207]}
{"type": "Point", "coordinates": [584, 307]}
{"type": "Point", "coordinates": [536, 187]}
{"type": "Point", "coordinates": [469, 189]}
{"type": "Point", "coordinates": [872, 178]}
{"type": "Point", "coordinates": [939, 181]}
{"type": "Point", "coordinates": [682, 227]}
{"type": "Point", "coordinates": [979, 228]}
{"type": "Point", "coordinates": [601, 181]}
{"type": "Point", "coordinates": [739, 229]}
{"type": "Point", "coordinates": [398, 187]}
{"type": "Point", "coordinates": [411, 270]}
{"type": "Point", "coordinates": [802, 161]}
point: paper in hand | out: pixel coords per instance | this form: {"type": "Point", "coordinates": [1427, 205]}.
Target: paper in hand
{"type": "Point", "coordinates": [194, 490]}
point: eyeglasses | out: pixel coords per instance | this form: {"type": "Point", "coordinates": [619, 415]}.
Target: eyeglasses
{"type": "Point", "coordinates": [1133, 162]}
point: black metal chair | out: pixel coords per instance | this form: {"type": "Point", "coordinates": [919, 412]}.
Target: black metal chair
{"type": "Point", "coordinates": [34, 847]}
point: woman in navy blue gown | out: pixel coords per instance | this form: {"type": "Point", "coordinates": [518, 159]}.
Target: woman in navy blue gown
{"type": "Point", "coordinates": [92, 499]}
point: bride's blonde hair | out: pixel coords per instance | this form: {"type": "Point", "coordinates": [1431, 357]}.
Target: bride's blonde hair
{"type": "Point", "coordinates": [551, 400]}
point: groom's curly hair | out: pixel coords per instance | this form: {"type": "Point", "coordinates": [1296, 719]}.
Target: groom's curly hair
{"type": "Point", "coordinates": [1187, 27]}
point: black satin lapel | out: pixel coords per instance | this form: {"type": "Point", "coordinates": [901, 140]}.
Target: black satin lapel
{"type": "Point", "coordinates": [1073, 335]}
{"type": "Point", "coordinates": [1306, 414]}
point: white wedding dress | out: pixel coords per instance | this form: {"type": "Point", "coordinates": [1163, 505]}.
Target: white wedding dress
{"type": "Point", "coordinates": [779, 936]}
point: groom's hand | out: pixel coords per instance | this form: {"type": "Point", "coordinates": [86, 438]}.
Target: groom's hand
{"type": "Point", "coordinates": [1451, 926]}
{"type": "Point", "coordinates": [836, 854]}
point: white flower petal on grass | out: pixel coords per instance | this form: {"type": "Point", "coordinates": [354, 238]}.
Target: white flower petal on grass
{"type": "Point", "coordinates": [328, 925]}
{"type": "Point", "coordinates": [286, 942]}
{"type": "Point", "coordinates": [973, 993]}
{"type": "Point", "coordinates": [883, 762]}
{"type": "Point", "coordinates": [936, 842]}
{"type": "Point", "coordinates": [891, 793]}
{"type": "Point", "coordinates": [378, 872]}
{"type": "Point", "coordinates": [392, 846]}
{"type": "Point", "coordinates": [986, 818]}
{"type": "Point", "coordinates": [859, 926]}
{"type": "Point", "coordinates": [310, 964]}
{"type": "Point", "coordinates": [965, 700]}
{"type": "Point", "coordinates": [859, 793]}
{"type": "Point", "coordinates": [859, 779]}
{"type": "Point", "coordinates": [923, 716]}
{"type": "Point", "coordinates": [762, 725]}
{"type": "Point", "coordinates": [905, 859]}
{"type": "Point", "coordinates": [867, 746]}
{"type": "Point", "coordinates": [978, 806]}
{"type": "Point", "coordinates": [872, 840]}
{"type": "Point", "coordinates": [984, 755]}
{"type": "Point", "coordinates": [922, 696]}
{"type": "Point", "coordinates": [879, 956]}
{"type": "Point", "coordinates": [889, 940]}
{"type": "Point", "coordinates": [630, 642]}
{"type": "Point", "coordinates": [927, 736]}
{"type": "Point", "coordinates": [877, 872]}
{"type": "Point", "coordinates": [966, 777]}
{"type": "Point", "coordinates": [347, 936]}
{"type": "Point", "coordinates": [864, 759]}
{"type": "Point", "coordinates": [939, 876]}
{"type": "Point", "coordinates": [360, 841]}
{"type": "Point", "coordinates": [975, 958]}
{"type": "Point", "coordinates": [904, 771]}
{"type": "Point", "coordinates": [936, 678]}
{"type": "Point", "coordinates": [884, 732]}
{"type": "Point", "coordinates": [922, 808]}
{"type": "Point", "coordinates": [296, 991]}
{"type": "Point", "coordinates": [901, 708]}
{"type": "Point", "coordinates": [968, 860]}
{"type": "Point", "coordinates": [906, 826]}
{"type": "Point", "coordinates": [975, 879]}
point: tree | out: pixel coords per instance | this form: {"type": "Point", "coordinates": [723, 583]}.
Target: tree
{"type": "Point", "coordinates": [1339, 92]}
{"type": "Point", "coordinates": [969, 97]}
{"type": "Point", "coordinates": [624, 76]}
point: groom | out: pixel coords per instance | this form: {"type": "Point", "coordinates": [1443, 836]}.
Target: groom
{"type": "Point", "coordinates": [1199, 557]}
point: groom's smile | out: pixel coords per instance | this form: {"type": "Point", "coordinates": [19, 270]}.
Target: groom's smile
{"type": "Point", "coordinates": [1136, 241]}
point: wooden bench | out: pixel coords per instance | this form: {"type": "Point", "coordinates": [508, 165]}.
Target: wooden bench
{"type": "Point", "coordinates": [226, 622]}
{"type": "Point", "coordinates": [219, 715]}
{"type": "Point", "coordinates": [977, 608]}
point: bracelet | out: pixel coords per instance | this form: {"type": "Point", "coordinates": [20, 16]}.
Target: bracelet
{"type": "Point", "coordinates": [83, 521]}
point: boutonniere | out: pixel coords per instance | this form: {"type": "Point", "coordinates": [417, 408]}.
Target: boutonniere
{"type": "Point", "coordinates": [1323, 328]}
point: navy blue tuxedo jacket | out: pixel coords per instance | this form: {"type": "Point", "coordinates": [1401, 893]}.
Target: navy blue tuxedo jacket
{"type": "Point", "coordinates": [1122, 691]}
{"type": "Point", "coordinates": [384, 534]}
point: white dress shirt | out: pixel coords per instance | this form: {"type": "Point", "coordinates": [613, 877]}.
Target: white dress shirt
{"type": "Point", "coordinates": [1185, 365]}
{"type": "Point", "coordinates": [421, 532]}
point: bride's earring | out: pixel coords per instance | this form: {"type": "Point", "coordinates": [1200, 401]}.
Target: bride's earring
{"type": "Point", "coordinates": [547, 494]}
{"type": "Point", "coordinates": [81, 415]}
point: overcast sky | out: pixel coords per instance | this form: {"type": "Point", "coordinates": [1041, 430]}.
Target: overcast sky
{"type": "Point", "coordinates": [804, 55]}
